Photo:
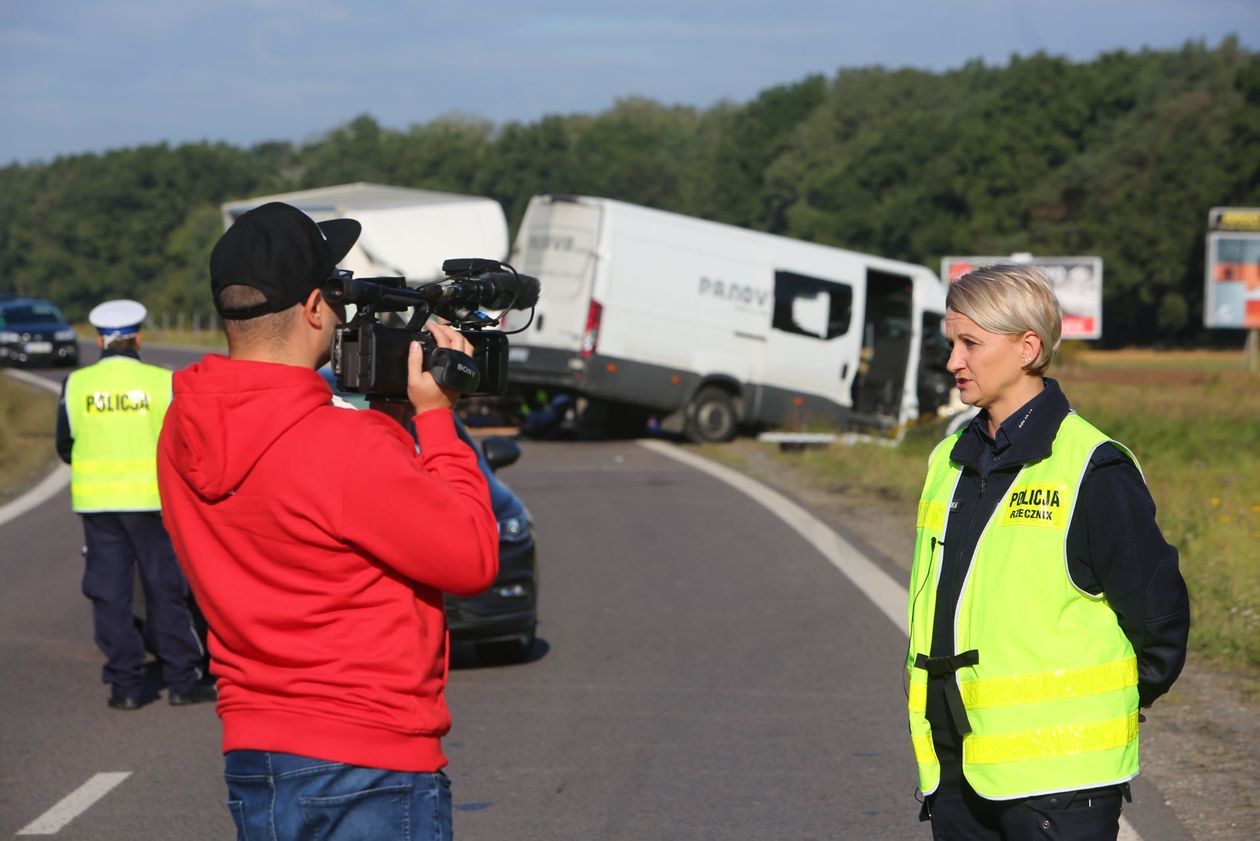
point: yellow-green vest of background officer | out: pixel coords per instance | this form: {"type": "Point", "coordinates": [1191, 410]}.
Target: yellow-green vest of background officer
{"type": "Point", "coordinates": [115, 410]}
{"type": "Point", "coordinates": [1053, 700]}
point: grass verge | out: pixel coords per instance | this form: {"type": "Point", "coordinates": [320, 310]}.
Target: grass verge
{"type": "Point", "coordinates": [156, 335]}
{"type": "Point", "coordinates": [28, 416]}
{"type": "Point", "coordinates": [1193, 421]}
{"type": "Point", "coordinates": [188, 338]}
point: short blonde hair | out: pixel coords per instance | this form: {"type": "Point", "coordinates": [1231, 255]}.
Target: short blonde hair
{"type": "Point", "coordinates": [1010, 300]}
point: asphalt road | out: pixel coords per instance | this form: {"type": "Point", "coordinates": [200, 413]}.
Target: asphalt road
{"type": "Point", "coordinates": [702, 672]}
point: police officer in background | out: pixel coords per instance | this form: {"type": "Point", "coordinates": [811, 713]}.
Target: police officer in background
{"type": "Point", "coordinates": [107, 431]}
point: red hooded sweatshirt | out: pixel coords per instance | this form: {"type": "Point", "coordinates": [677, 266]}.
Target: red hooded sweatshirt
{"type": "Point", "coordinates": [318, 545]}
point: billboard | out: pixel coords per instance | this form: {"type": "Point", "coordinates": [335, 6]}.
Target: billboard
{"type": "Point", "coordinates": [1077, 283]}
{"type": "Point", "coordinates": [1231, 296]}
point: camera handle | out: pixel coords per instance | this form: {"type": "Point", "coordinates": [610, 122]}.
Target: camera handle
{"type": "Point", "coordinates": [453, 370]}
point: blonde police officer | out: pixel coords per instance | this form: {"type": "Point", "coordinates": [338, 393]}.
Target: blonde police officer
{"type": "Point", "coordinates": [107, 431]}
{"type": "Point", "coordinates": [1046, 606]}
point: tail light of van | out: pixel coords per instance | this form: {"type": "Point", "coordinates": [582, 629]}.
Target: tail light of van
{"type": "Point", "coordinates": [590, 338]}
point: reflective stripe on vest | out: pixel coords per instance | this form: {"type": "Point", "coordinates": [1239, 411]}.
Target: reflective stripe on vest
{"type": "Point", "coordinates": [1053, 700]}
{"type": "Point", "coordinates": [115, 409]}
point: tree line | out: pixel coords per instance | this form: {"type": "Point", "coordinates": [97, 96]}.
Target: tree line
{"type": "Point", "coordinates": [1119, 157]}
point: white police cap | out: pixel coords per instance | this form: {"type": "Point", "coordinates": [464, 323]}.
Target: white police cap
{"type": "Point", "coordinates": [118, 318]}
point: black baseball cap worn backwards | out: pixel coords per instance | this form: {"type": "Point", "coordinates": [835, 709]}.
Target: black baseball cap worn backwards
{"type": "Point", "coordinates": [280, 251]}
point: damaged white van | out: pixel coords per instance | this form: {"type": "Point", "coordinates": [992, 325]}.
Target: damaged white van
{"type": "Point", "coordinates": [714, 327]}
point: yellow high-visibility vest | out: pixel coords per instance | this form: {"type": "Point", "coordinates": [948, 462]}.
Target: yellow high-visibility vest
{"type": "Point", "coordinates": [1052, 701]}
{"type": "Point", "coordinates": [115, 409]}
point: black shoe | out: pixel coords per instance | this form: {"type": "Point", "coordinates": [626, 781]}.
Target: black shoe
{"type": "Point", "coordinates": [123, 702]}
{"type": "Point", "coordinates": [197, 695]}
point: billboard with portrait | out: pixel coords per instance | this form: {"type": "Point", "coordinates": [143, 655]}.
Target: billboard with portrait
{"type": "Point", "coordinates": [1077, 283]}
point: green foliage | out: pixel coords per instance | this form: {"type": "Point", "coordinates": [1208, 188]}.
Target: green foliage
{"type": "Point", "coordinates": [531, 159]}
{"type": "Point", "coordinates": [637, 152]}
{"type": "Point", "coordinates": [91, 227]}
{"type": "Point", "coordinates": [1120, 157]}
{"type": "Point", "coordinates": [726, 179]}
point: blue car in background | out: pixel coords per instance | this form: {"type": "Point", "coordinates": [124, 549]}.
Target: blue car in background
{"type": "Point", "coordinates": [33, 331]}
{"type": "Point", "coordinates": [500, 622]}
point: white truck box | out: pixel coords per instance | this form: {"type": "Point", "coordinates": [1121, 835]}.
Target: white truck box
{"type": "Point", "coordinates": [406, 233]}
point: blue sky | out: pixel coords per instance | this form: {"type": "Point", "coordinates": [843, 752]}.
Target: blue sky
{"type": "Point", "coordinates": [84, 75]}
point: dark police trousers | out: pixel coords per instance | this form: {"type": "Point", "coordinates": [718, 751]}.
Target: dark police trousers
{"type": "Point", "coordinates": [115, 544]}
{"type": "Point", "coordinates": [959, 814]}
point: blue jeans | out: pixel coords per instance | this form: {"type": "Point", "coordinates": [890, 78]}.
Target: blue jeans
{"type": "Point", "coordinates": [283, 797]}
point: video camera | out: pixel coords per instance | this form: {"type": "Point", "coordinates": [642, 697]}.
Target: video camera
{"type": "Point", "coordinates": [370, 358]}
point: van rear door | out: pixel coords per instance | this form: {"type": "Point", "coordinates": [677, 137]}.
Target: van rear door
{"type": "Point", "coordinates": [557, 244]}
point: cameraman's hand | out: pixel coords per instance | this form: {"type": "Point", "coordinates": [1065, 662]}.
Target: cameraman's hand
{"type": "Point", "coordinates": [424, 391]}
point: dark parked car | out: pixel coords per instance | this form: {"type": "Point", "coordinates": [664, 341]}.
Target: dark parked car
{"type": "Point", "coordinates": [500, 622]}
{"type": "Point", "coordinates": [34, 331]}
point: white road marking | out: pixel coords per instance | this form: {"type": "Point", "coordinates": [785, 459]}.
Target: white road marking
{"type": "Point", "coordinates": [884, 592]}
{"type": "Point", "coordinates": [33, 379]}
{"type": "Point", "coordinates": [74, 804]}
{"type": "Point", "coordinates": [47, 488]}
{"type": "Point", "coordinates": [53, 482]}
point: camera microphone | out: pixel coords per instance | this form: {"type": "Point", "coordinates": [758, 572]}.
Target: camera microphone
{"type": "Point", "coordinates": [495, 289]}
{"type": "Point", "coordinates": [492, 290]}
{"type": "Point", "coordinates": [382, 292]}
{"type": "Point", "coordinates": [518, 291]}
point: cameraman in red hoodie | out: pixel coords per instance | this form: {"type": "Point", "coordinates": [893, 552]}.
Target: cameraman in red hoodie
{"type": "Point", "coordinates": [318, 544]}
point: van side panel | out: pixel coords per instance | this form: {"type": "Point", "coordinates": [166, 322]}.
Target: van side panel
{"type": "Point", "coordinates": [676, 296]}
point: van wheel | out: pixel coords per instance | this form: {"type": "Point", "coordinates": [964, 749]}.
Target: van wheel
{"type": "Point", "coordinates": [711, 417]}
